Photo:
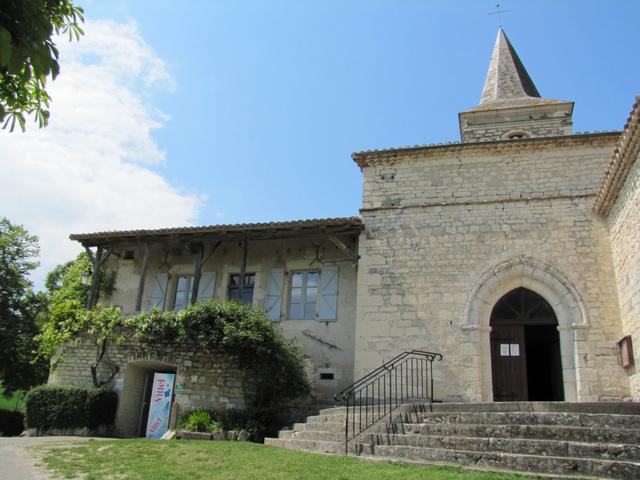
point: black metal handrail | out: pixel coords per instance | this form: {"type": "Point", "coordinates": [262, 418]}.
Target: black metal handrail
{"type": "Point", "coordinates": [407, 376]}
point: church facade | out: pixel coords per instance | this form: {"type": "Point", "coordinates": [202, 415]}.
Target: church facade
{"type": "Point", "coordinates": [514, 253]}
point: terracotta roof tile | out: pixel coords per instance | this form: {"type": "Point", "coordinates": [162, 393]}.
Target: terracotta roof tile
{"type": "Point", "coordinates": [346, 222]}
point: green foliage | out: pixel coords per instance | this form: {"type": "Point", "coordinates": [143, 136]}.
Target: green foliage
{"type": "Point", "coordinates": [200, 421]}
{"type": "Point", "coordinates": [68, 297]}
{"type": "Point", "coordinates": [11, 422]}
{"type": "Point", "coordinates": [28, 55]}
{"type": "Point", "coordinates": [21, 310]}
{"type": "Point", "coordinates": [273, 369]}
{"type": "Point", "coordinates": [63, 407]}
{"type": "Point", "coordinates": [214, 420]}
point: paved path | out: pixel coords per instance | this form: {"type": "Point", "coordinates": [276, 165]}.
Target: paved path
{"type": "Point", "coordinates": [17, 464]}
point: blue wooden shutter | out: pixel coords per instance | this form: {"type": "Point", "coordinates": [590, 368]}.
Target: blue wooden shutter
{"type": "Point", "coordinates": [328, 310]}
{"type": "Point", "coordinates": [159, 291]}
{"type": "Point", "coordinates": [273, 302]}
{"type": "Point", "coordinates": [206, 286]}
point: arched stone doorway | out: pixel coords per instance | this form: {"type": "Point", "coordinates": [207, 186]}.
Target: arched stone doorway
{"type": "Point", "coordinates": [525, 349]}
{"type": "Point", "coordinates": [567, 304]}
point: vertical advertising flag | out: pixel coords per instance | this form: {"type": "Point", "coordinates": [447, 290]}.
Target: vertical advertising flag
{"type": "Point", "coordinates": [160, 404]}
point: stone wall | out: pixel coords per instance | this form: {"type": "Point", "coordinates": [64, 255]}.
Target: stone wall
{"type": "Point", "coordinates": [439, 225]}
{"type": "Point", "coordinates": [533, 121]}
{"type": "Point", "coordinates": [327, 345]}
{"type": "Point", "coordinates": [624, 225]}
{"type": "Point", "coordinates": [204, 380]}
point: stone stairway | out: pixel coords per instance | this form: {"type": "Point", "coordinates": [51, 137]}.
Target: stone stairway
{"type": "Point", "coordinates": [600, 440]}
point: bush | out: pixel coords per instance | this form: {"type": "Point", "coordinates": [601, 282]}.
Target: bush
{"type": "Point", "coordinates": [11, 423]}
{"type": "Point", "coordinates": [61, 407]}
{"type": "Point", "coordinates": [200, 421]}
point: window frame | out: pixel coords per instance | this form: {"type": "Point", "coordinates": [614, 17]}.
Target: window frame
{"type": "Point", "coordinates": [303, 295]}
{"type": "Point", "coordinates": [188, 291]}
{"type": "Point", "coordinates": [242, 276]}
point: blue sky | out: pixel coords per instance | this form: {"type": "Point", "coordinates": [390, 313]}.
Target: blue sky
{"type": "Point", "coordinates": [200, 112]}
{"type": "Point", "coordinates": [272, 97]}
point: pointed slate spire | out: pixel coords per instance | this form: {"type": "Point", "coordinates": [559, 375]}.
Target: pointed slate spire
{"type": "Point", "coordinates": [507, 79]}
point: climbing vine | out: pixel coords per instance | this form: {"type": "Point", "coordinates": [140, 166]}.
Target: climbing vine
{"type": "Point", "coordinates": [273, 369]}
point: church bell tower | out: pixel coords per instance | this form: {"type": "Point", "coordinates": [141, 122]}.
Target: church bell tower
{"type": "Point", "coordinates": [511, 106]}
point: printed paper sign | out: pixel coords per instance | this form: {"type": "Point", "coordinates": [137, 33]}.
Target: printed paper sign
{"type": "Point", "coordinates": [515, 350]}
{"type": "Point", "coordinates": [504, 349]}
{"type": "Point", "coordinates": [160, 404]}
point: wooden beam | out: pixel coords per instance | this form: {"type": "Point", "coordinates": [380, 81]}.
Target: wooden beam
{"type": "Point", "coordinates": [243, 267]}
{"type": "Point", "coordinates": [196, 250]}
{"type": "Point", "coordinates": [95, 278]}
{"type": "Point", "coordinates": [340, 244]}
{"type": "Point", "coordinates": [143, 277]}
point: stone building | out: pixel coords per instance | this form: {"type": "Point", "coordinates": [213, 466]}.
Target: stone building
{"type": "Point", "coordinates": [515, 253]}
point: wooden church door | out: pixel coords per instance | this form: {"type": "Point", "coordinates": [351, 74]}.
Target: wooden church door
{"type": "Point", "coordinates": [525, 349]}
{"type": "Point", "coordinates": [508, 363]}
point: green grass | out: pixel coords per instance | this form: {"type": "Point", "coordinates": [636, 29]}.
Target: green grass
{"type": "Point", "coordinates": [14, 402]}
{"type": "Point", "coordinates": [152, 459]}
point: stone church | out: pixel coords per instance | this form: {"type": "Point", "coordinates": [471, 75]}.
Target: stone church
{"type": "Point", "coordinates": [515, 253]}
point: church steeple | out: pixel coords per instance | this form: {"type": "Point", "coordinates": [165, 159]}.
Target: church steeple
{"type": "Point", "coordinates": [510, 105]}
{"type": "Point", "coordinates": [507, 79]}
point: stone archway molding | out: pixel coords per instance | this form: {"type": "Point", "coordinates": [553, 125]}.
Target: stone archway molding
{"type": "Point", "coordinates": [548, 282]}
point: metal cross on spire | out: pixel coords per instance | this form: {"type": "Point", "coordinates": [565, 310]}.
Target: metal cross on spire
{"type": "Point", "coordinates": [499, 13]}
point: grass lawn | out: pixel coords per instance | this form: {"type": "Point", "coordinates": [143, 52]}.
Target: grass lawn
{"type": "Point", "coordinates": [184, 459]}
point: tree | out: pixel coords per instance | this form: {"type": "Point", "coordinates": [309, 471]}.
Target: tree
{"type": "Point", "coordinates": [21, 310]}
{"type": "Point", "coordinates": [28, 55]}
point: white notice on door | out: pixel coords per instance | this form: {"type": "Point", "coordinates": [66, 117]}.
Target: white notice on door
{"type": "Point", "coordinates": [515, 349]}
{"type": "Point", "coordinates": [504, 349]}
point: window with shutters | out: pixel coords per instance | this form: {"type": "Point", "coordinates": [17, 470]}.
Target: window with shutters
{"type": "Point", "coordinates": [303, 295]}
{"type": "Point", "coordinates": [184, 286]}
{"type": "Point", "coordinates": [313, 294]}
{"type": "Point", "coordinates": [241, 287]}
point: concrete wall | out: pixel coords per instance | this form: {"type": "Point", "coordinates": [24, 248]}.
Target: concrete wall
{"type": "Point", "coordinates": [447, 233]}
{"type": "Point", "coordinates": [624, 225]}
{"type": "Point", "coordinates": [327, 345]}
{"type": "Point", "coordinates": [207, 381]}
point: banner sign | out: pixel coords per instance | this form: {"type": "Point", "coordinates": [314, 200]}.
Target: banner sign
{"type": "Point", "coordinates": [160, 404]}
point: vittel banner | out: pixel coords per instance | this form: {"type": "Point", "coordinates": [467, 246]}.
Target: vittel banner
{"type": "Point", "coordinates": [160, 404]}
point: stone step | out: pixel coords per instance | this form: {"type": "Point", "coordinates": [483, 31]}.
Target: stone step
{"type": "Point", "coordinates": [598, 420]}
{"type": "Point", "coordinates": [619, 408]}
{"type": "Point", "coordinates": [599, 468]}
{"type": "Point", "coordinates": [498, 418]}
{"type": "Point", "coordinates": [609, 451]}
{"type": "Point", "coordinates": [545, 432]}
{"type": "Point", "coordinates": [546, 464]}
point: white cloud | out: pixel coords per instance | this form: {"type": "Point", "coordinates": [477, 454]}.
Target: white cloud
{"type": "Point", "coordinates": [91, 169]}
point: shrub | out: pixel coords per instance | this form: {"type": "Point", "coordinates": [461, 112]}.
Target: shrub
{"type": "Point", "coordinates": [11, 422]}
{"type": "Point", "coordinates": [62, 407]}
{"type": "Point", "coordinates": [200, 421]}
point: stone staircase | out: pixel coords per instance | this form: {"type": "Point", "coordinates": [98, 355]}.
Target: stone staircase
{"type": "Point", "coordinates": [600, 440]}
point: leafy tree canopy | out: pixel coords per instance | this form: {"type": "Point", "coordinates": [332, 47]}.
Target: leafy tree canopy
{"type": "Point", "coordinates": [28, 55]}
{"type": "Point", "coordinates": [21, 310]}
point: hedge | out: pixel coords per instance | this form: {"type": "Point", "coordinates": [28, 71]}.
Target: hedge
{"type": "Point", "coordinates": [11, 422]}
{"type": "Point", "coordinates": [51, 407]}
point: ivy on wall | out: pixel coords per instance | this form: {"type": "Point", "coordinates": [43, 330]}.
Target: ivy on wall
{"type": "Point", "coordinates": [272, 369]}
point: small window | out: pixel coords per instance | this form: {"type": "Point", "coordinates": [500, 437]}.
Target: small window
{"type": "Point", "coordinates": [182, 297]}
{"type": "Point", "coordinates": [129, 254]}
{"type": "Point", "coordinates": [326, 376]}
{"type": "Point", "coordinates": [303, 298]}
{"type": "Point", "coordinates": [241, 287]}
{"type": "Point", "coordinates": [516, 135]}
